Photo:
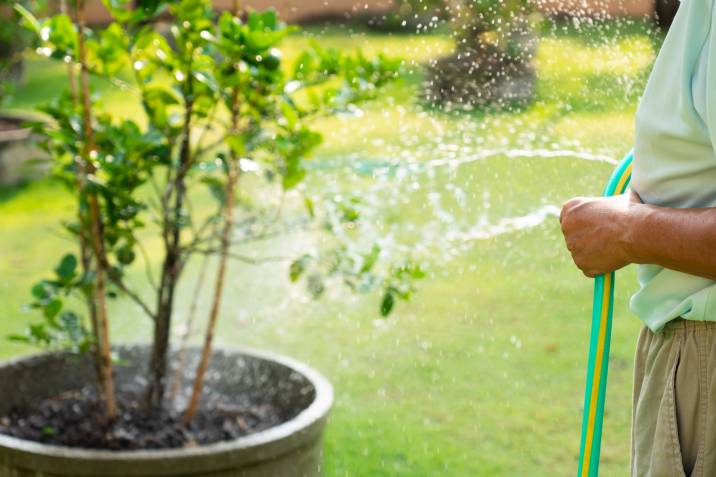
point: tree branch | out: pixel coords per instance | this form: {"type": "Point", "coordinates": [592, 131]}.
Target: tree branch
{"type": "Point", "coordinates": [243, 258]}
{"type": "Point", "coordinates": [148, 267]}
{"type": "Point", "coordinates": [119, 283]}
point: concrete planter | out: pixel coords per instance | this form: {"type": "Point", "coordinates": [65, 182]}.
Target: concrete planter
{"type": "Point", "coordinates": [292, 449]}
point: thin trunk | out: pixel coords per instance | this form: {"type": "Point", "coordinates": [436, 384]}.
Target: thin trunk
{"type": "Point", "coordinates": [181, 354]}
{"type": "Point", "coordinates": [218, 292]}
{"type": "Point", "coordinates": [92, 310]}
{"type": "Point", "coordinates": [171, 268]}
{"type": "Point", "coordinates": [232, 179]}
{"type": "Point", "coordinates": [85, 250]}
{"type": "Point", "coordinates": [97, 239]}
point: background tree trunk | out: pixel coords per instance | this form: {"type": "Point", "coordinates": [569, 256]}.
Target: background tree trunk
{"type": "Point", "coordinates": [666, 11]}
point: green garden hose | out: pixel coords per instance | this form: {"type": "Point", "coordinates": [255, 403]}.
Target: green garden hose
{"type": "Point", "coordinates": [599, 342]}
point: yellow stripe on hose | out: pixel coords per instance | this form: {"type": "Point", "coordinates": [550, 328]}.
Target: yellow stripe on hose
{"type": "Point", "coordinates": [623, 181]}
{"type": "Point", "coordinates": [597, 374]}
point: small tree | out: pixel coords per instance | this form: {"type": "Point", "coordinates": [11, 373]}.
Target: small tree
{"type": "Point", "coordinates": [219, 106]}
{"type": "Point", "coordinates": [493, 61]}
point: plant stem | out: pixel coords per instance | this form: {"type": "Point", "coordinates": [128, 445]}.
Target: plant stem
{"type": "Point", "coordinates": [231, 181]}
{"type": "Point", "coordinates": [218, 292]}
{"type": "Point", "coordinates": [85, 251]}
{"type": "Point", "coordinates": [97, 233]}
{"type": "Point", "coordinates": [181, 354]}
{"type": "Point", "coordinates": [172, 266]}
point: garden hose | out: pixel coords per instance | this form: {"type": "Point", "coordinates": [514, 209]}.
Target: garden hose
{"type": "Point", "coordinates": [599, 342]}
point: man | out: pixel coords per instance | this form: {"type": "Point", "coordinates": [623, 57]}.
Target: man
{"type": "Point", "coordinates": [667, 225]}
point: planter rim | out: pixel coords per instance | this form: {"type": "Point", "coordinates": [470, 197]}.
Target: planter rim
{"type": "Point", "coordinates": [306, 419]}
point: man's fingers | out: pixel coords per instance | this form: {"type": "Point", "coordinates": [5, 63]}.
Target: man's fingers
{"type": "Point", "coordinates": [586, 266]}
{"type": "Point", "coordinates": [570, 205]}
{"type": "Point", "coordinates": [589, 273]}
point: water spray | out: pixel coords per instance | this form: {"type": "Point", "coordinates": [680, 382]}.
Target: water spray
{"type": "Point", "coordinates": [599, 343]}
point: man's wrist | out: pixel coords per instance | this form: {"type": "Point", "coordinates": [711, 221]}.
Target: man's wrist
{"type": "Point", "coordinates": [635, 236]}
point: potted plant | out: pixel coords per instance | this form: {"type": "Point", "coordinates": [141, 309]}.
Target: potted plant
{"type": "Point", "coordinates": [492, 66]}
{"type": "Point", "coordinates": [223, 114]}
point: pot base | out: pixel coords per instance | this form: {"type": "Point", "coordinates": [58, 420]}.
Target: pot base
{"type": "Point", "coordinates": [292, 448]}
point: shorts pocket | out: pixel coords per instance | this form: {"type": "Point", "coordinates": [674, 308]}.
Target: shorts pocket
{"type": "Point", "coordinates": [674, 443]}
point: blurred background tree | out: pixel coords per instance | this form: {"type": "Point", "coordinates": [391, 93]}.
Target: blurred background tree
{"type": "Point", "coordinates": [666, 11]}
{"type": "Point", "coordinates": [492, 65]}
{"type": "Point", "coordinates": [413, 16]}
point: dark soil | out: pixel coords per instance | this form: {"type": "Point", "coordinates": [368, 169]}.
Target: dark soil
{"type": "Point", "coordinates": [74, 419]}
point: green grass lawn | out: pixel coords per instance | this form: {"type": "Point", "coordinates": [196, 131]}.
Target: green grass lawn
{"type": "Point", "coordinates": [482, 374]}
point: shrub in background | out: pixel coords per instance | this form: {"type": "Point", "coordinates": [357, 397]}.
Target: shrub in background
{"type": "Point", "coordinates": [493, 61]}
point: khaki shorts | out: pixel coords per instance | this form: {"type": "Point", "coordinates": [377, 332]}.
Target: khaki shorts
{"type": "Point", "coordinates": [674, 417]}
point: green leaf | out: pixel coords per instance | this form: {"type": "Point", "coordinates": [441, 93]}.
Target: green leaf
{"type": "Point", "coordinates": [120, 9]}
{"type": "Point", "coordinates": [237, 143]}
{"type": "Point", "coordinates": [38, 291]}
{"type": "Point", "coordinates": [126, 255]}
{"type": "Point", "coordinates": [298, 267]}
{"type": "Point", "coordinates": [43, 290]}
{"type": "Point", "coordinates": [387, 304]}
{"type": "Point", "coordinates": [266, 20]}
{"type": "Point", "coordinates": [52, 309]}
{"type": "Point", "coordinates": [293, 175]}
{"type": "Point", "coordinates": [157, 100]}
{"type": "Point", "coordinates": [67, 269]}
{"type": "Point", "coordinates": [417, 273]}
{"type": "Point", "coordinates": [108, 53]}
{"type": "Point", "coordinates": [18, 338]}
{"type": "Point", "coordinates": [216, 187]}
{"type": "Point", "coordinates": [309, 207]}
{"type": "Point", "coordinates": [370, 258]}
{"type": "Point", "coordinates": [148, 8]}
{"type": "Point", "coordinates": [349, 214]}
{"type": "Point", "coordinates": [28, 17]}
{"type": "Point", "coordinates": [72, 326]}
{"type": "Point", "coordinates": [39, 334]}
{"type": "Point", "coordinates": [60, 35]}
{"type": "Point", "coordinates": [289, 114]}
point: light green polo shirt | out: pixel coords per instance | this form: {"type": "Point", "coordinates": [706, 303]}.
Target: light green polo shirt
{"type": "Point", "coordinates": [675, 156]}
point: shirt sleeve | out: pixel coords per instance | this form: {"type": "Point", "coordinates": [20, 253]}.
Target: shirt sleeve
{"type": "Point", "coordinates": [710, 81]}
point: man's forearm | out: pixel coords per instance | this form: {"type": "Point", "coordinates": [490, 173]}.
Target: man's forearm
{"type": "Point", "coordinates": [678, 239]}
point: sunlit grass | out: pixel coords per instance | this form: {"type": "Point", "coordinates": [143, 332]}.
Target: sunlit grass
{"type": "Point", "coordinates": [482, 373]}
{"type": "Point", "coordinates": [621, 57]}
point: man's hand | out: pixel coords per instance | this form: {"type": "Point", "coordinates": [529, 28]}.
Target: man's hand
{"type": "Point", "coordinates": [606, 234]}
{"type": "Point", "coordinates": [597, 232]}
